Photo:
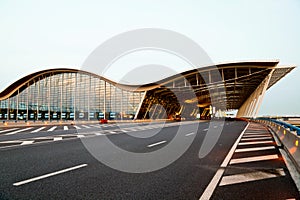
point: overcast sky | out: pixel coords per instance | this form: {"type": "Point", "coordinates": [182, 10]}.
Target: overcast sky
{"type": "Point", "coordinates": [37, 35]}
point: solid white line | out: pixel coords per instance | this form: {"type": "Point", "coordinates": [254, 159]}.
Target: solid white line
{"type": "Point", "coordinates": [18, 131]}
{"type": "Point", "coordinates": [254, 149]}
{"type": "Point", "coordinates": [66, 128]}
{"type": "Point", "coordinates": [80, 136]}
{"type": "Point", "coordinates": [253, 159]}
{"type": "Point", "coordinates": [256, 138]}
{"type": "Point", "coordinates": [252, 176]}
{"type": "Point", "coordinates": [99, 134]}
{"type": "Point", "coordinates": [52, 129]}
{"type": "Point", "coordinates": [112, 132]}
{"type": "Point", "coordinates": [39, 129]}
{"type": "Point", "coordinates": [157, 143]}
{"type": "Point", "coordinates": [27, 142]}
{"type": "Point", "coordinates": [85, 126]}
{"type": "Point", "coordinates": [6, 130]}
{"type": "Point", "coordinates": [49, 175]}
{"type": "Point", "coordinates": [77, 127]}
{"type": "Point", "coordinates": [215, 180]}
{"type": "Point", "coordinates": [57, 138]}
{"type": "Point", "coordinates": [257, 142]}
{"type": "Point", "coordinates": [190, 134]}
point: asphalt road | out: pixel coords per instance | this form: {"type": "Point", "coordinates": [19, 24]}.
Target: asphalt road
{"type": "Point", "coordinates": [186, 178]}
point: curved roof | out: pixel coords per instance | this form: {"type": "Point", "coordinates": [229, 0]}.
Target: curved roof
{"type": "Point", "coordinates": [240, 79]}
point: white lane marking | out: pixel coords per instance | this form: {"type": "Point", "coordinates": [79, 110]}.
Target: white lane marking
{"type": "Point", "coordinates": [255, 133]}
{"type": "Point", "coordinates": [18, 131]}
{"type": "Point", "coordinates": [99, 134]}
{"type": "Point", "coordinates": [256, 142]}
{"type": "Point", "coordinates": [256, 138]}
{"type": "Point", "coordinates": [39, 129]}
{"type": "Point", "coordinates": [190, 134]}
{"type": "Point", "coordinates": [157, 143]}
{"type": "Point", "coordinates": [215, 180]}
{"type": "Point", "coordinates": [262, 135]}
{"type": "Point", "coordinates": [253, 159]}
{"type": "Point", "coordinates": [77, 127]}
{"type": "Point", "coordinates": [85, 126]}
{"type": "Point", "coordinates": [97, 126]}
{"type": "Point", "coordinates": [66, 128]}
{"type": "Point", "coordinates": [6, 130]}
{"type": "Point", "coordinates": [11, 142]}
{"type": "Point", "coordinates": [53, 128]}
{"type": "Point", "coordinates": [252, 176]}
{"type": "Point", "coordinates": [27, 142]}
{"type": "Point", "coordinates": [49, 175]}
{"type": "Point", "coordinates": [57, 138]}
{"type": "Point", "coordinates": [112, 132]}
{"type": "Point", "coordinates": [254, 149]}
{"type": "Point", "coordinates": [80, 136]}
{"type": "Point", "coordinates": [205, 129]}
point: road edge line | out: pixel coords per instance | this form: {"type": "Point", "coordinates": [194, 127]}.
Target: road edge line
{"type": "Point", "coordinates": [215, 180]}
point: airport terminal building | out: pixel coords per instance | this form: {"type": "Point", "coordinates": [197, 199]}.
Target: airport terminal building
{"type": "Point", "coordinates": [71, 94]}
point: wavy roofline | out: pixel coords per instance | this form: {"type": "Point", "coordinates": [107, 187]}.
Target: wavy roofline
{"type": "Point", "coordinates": [15, 86]}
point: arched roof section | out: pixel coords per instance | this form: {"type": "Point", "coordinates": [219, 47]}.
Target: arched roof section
{"type": "Point", "coordinates": [239, 78]}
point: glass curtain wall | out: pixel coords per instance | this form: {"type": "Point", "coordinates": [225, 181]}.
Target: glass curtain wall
{"type": "Point", "coordinates": [70, 96]}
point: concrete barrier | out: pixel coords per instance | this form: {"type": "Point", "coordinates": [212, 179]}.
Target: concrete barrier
{"type": "Point", "coordinates": [288, 138]}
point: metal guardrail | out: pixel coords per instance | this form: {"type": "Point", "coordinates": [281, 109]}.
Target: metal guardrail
{"type": "Point", "coordinates": [286, 134]}
{"type": "Point", "coordinates": [284, 124]}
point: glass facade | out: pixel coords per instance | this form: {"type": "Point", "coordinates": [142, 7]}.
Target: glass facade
{"type": "Point", "coordinates": [70, 96]}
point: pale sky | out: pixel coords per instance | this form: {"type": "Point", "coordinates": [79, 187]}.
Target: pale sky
{"type": "Point", "coordinates": [37, 35]}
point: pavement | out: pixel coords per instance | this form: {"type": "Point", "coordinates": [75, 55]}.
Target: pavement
{"type": "Point", "coordinates": [65, 169]}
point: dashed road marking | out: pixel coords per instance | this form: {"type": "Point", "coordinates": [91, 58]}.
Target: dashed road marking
{"type": "Point", "coordinates": [85, 126]}
{"type": "Point", "coordinates": [256, 142]}
{"type": "Point", "coordinates": [27, 142]}
{"type": "Point", "coordinates": [256, 138]}
{"type": "Point", "coordinates": [39, 129]}
{"type": "Point", "coordinates": [254, 149]}
{"type": "Point", "coordinates": [49, 175]}
{"type": "Point", "coordinates": [252, 176]}
{"type": "Point", "coordinates": [190, 134]}
{"type": "Point", "coordinates": [253, 159]}
{"type": "Point", "coordinates": [77, 127]}
{"type": "Point", "coordinates": [52, 128]}
{"type": "Point", "coordinates": [96, 126]}
{"type": "Point", "coordinates": [57, 138]}
{"type": "Point", "coordinates": [258, 135]}
{"type": "Point", "coordinates": [6, 130]}
{"type": "Point", "coordinates": [157, 143]}
{"type": "Point", "coordinates": [255, 133]}
{"type": "Point", "coordinates": [18, 131]}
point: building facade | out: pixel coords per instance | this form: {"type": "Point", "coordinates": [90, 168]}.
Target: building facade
{"type": "Point", "coordinates": [69, 94]}
{"type": "Point", "coordinates": [64, 94]}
